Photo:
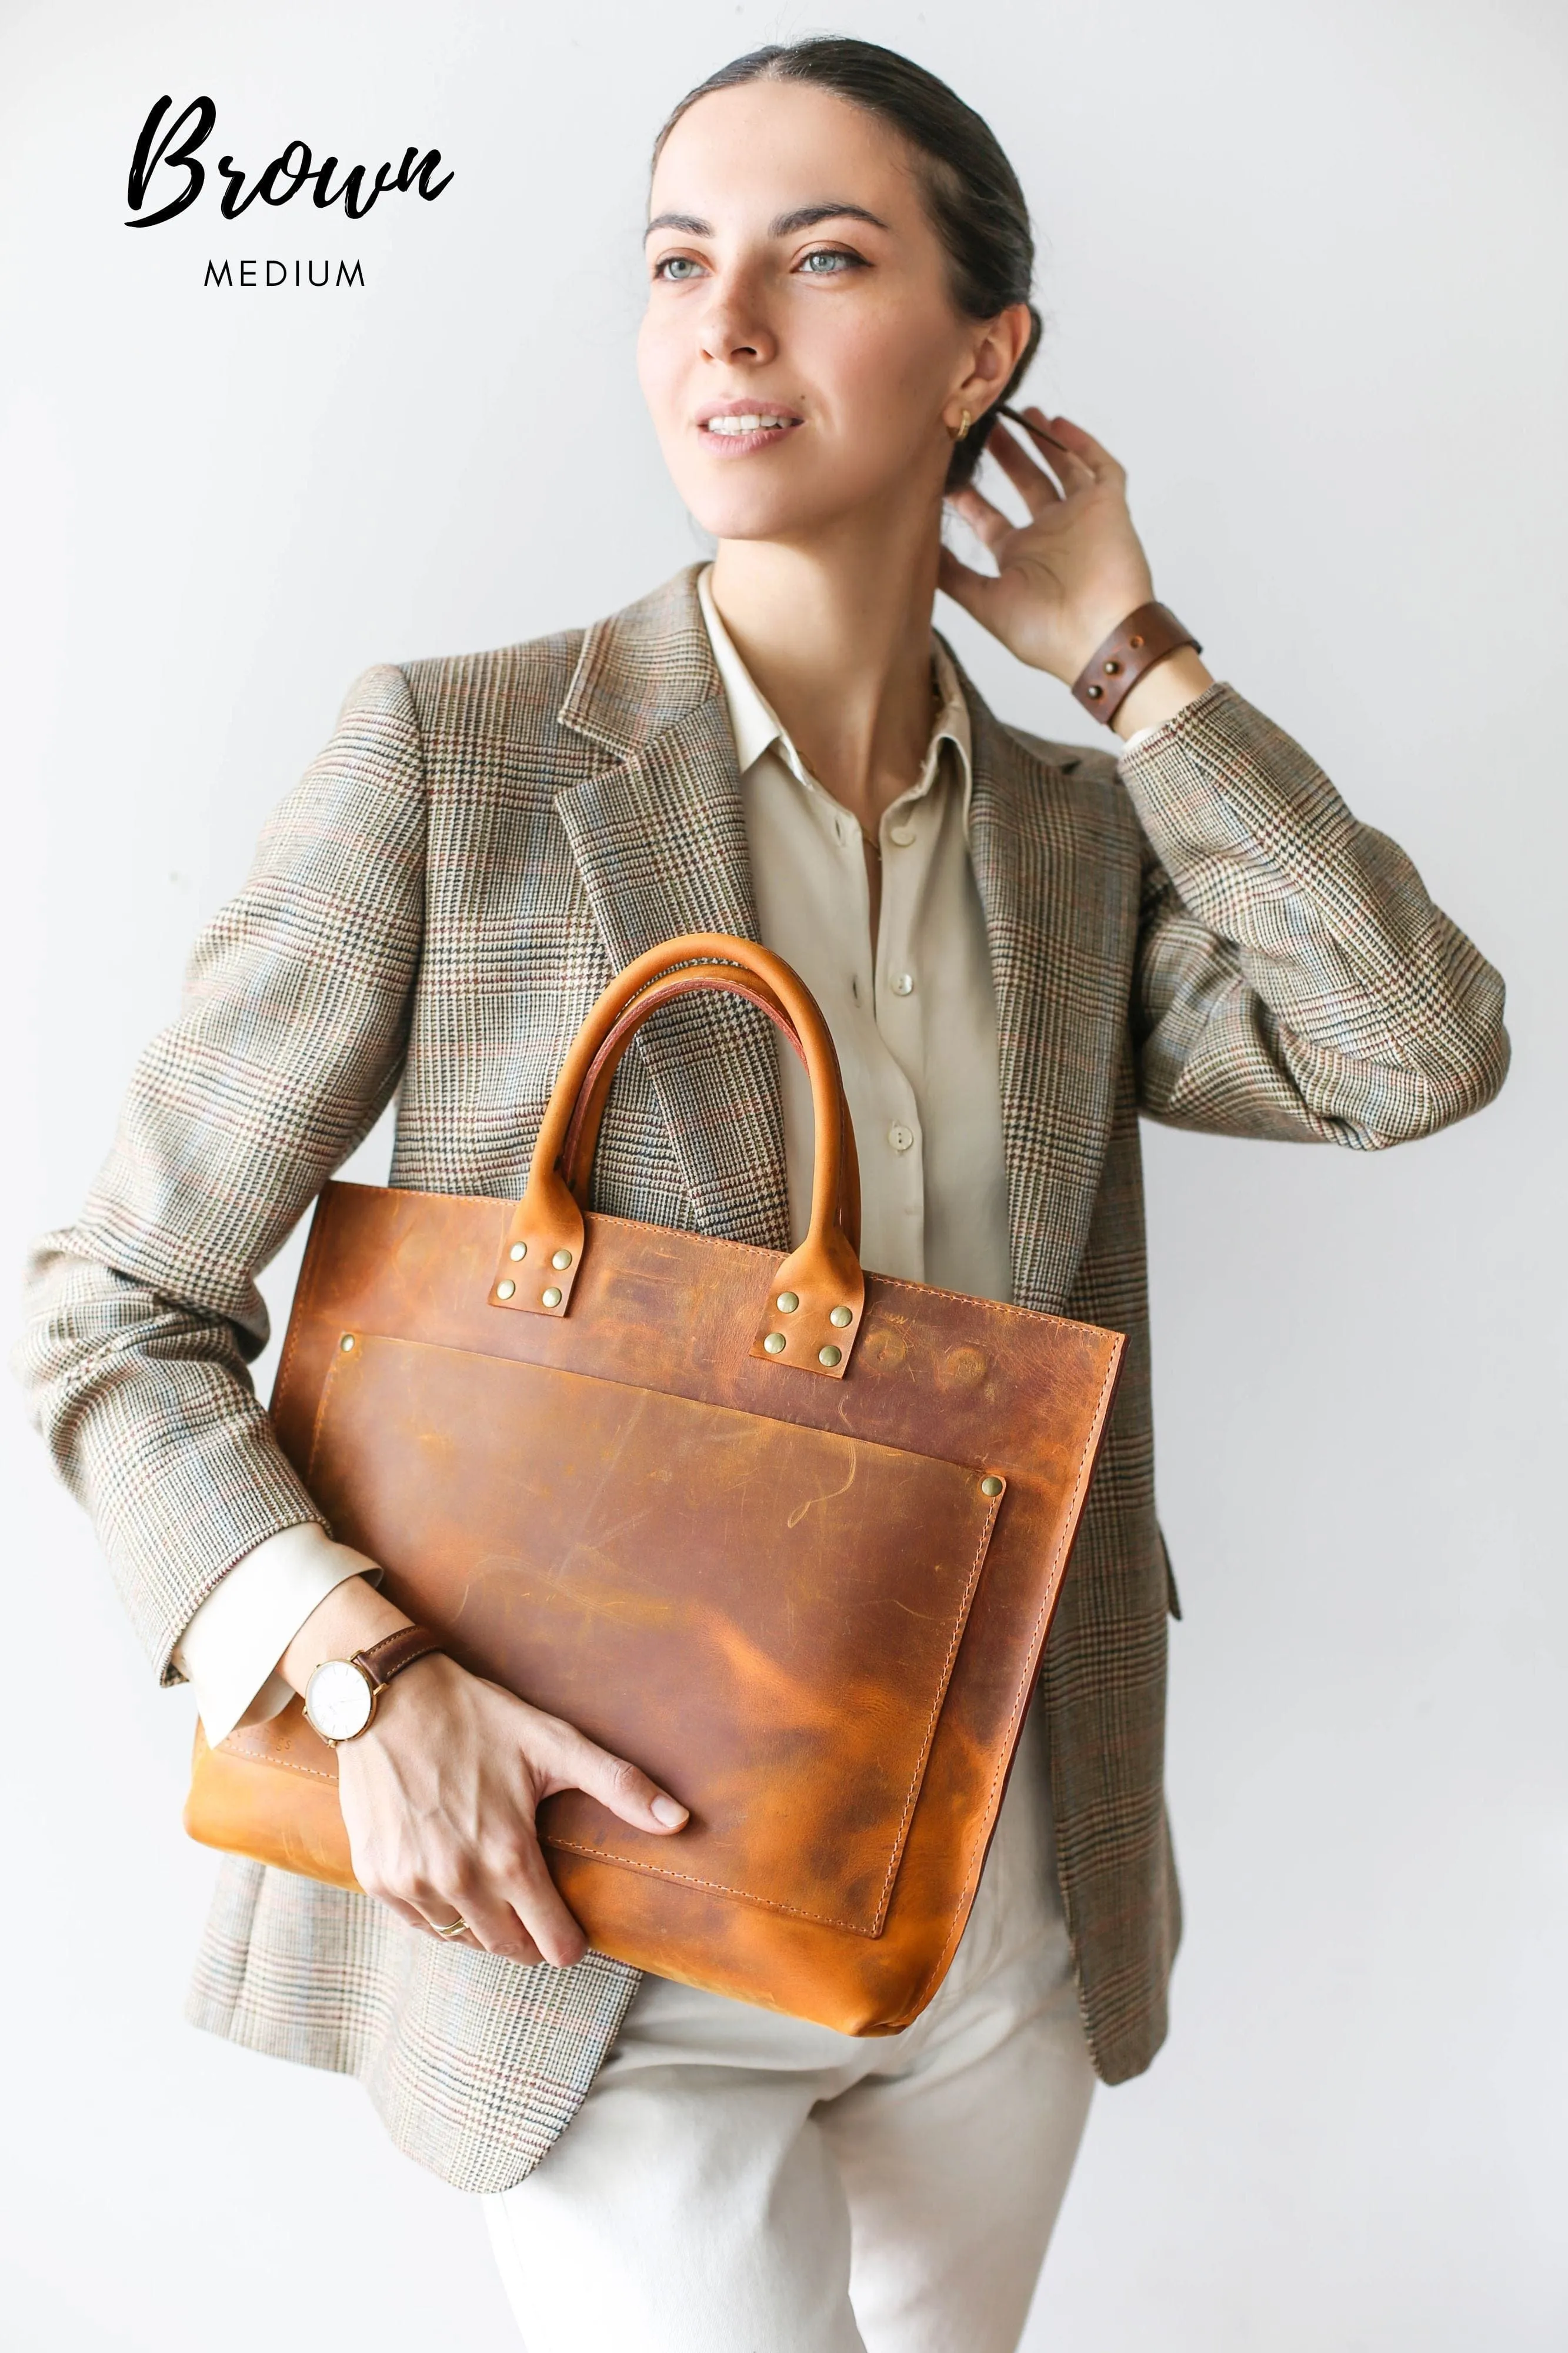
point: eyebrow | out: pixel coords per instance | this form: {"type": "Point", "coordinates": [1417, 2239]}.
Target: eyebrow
{"type": "Point", "coordinates": [785, 225]}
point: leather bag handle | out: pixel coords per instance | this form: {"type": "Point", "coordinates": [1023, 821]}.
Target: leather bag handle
{"type": "Point", "coordinates": [817, 1297]}
{"type": "Point", "coordinates": [582, 1136]}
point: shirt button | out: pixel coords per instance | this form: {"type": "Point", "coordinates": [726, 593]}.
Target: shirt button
{"type": "Point", "coordinates": [904, 984]}
{"type": "Point", "coordinates": [903, 833]}
{"type": "Point", "coordinates": [899, 1136]}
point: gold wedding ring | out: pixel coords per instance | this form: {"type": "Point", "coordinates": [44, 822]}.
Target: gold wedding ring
{"type": "Point", "coordinates": [453, 1928]}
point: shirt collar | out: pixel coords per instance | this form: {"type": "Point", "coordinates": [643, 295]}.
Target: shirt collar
{"type": "Point", "coordinates": [757, 728]}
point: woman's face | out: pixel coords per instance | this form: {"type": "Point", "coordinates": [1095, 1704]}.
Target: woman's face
{"type": "Point", "coordinates": [801, 354]}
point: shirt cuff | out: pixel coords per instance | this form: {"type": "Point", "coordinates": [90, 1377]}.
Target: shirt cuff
{"type": "Point", "coordinates": [230, 1650]}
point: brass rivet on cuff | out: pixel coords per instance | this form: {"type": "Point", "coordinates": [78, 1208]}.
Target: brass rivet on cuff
{"type": "Point", "coordinates": [1111, 668]}
{"type": "Point", "coordinates": [1094, 692]}
{"type": "Point", "coordinates": [842, 1315]}
{"type": "Point", "coordinates": [551, 1298]}
{"type": "Point", "coordinates": [776, 1344]}
{"type": "Point", "coordinates": [562, 1258]}
{"type": "Point", "coordinates": [505, 1290]}
{"type": "Point", "coordinates": [518, 1251]}
{"type": "Point", "coordinates": [829, 1355]}
{"type": "Point", "coordinates": [788, 1301]}
{"type": "Point", "coordinates": [1135, 643]}
{"type": "Point", "coordinates": [992, 1486]}
{"type": "Point", "coordinates": [346, 1343]}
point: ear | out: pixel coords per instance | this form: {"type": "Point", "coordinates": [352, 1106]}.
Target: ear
{"type": "Point", "coordinates": [1000, 343]}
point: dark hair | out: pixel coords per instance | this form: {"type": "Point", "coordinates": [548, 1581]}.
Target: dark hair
{"type": "Point", "coordinates": [971, 190]}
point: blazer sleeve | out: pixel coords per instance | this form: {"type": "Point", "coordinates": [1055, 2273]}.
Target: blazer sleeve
{"type": "Point", "coordinates": [1293, 978]}
{"type": "Point", "coordinates": [143, 1317]}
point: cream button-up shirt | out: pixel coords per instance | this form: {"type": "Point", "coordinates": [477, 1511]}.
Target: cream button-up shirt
{"type": "Point", "coordinates": [914, 1021]}
{"type": "Point", "coordinates": [913, 1018]}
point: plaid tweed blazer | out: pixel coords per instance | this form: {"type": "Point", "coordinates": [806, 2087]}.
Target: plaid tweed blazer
{"type": "Point", "coordinates": [1205, 935]}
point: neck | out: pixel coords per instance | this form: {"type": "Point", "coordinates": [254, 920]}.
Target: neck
{"type": "Point", "coordinates": [835, 630]}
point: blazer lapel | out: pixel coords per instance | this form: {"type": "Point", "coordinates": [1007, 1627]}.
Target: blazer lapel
{"type": "Point", "coordinates": [660, 844]}
{"type": "Point", "coordinates": [1057, 960]}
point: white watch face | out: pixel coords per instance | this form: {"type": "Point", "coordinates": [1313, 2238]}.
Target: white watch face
{"type": "Point", "coordinates": [337, 1699]}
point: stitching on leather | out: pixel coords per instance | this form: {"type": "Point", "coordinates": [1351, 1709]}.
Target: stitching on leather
{"type": "Point", "coordinates": [720, 1888]}
{"type": "Point", "coordinates": [279, 1763]}
{"type": "Point", "coordinates": [714, 1886]}
{"type": "Point", "coordinates": [944, 1959]}
{"type": "Point", "coordinates": [773, 1904]}
{"type": "Point", "coordinates": [888, 1282]}
{"type": "Point", "coordinates": [960, 1624]}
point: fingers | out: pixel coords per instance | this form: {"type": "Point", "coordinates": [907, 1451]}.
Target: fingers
{"type": "Point", "coordinates": [575, 1762]}
{"type": "Point", "coordinates": [434, 1914]}
{"type": "Point", "coordinates": [1028, 476]}
{"type": "Point", "coordinates": [988, 523]}
{"type": "Point", "coordinates": [411, 1912]}
{"type": "Point", "coordinates": [512, 1908]}
{"type": "Point", "coordinates": [447, 1833]}
{"type": "Point", "coordinates": [1082, 449]}
{"type": "Point", "coordinates": [515, 1902]}
{"type": "Point", "coordinates": [491, 1924]}
{"type": "Point", "coordinates": [971, 590]}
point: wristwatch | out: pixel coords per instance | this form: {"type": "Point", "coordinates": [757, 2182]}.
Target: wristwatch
{"type": "Point", "coordinates": [341, 1697]}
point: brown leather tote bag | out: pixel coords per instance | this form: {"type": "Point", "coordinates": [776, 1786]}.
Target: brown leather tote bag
{"type": "Point", "coordinates": [787, 1534]}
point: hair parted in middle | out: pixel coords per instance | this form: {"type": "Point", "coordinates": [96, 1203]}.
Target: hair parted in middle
{"type": "Point", "coordinates": [972, 193]}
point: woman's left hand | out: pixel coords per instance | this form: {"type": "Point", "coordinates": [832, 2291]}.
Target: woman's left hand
{"type": "Point", "coordinates": [1073, 571]}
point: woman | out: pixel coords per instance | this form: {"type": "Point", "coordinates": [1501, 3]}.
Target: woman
{"type": "Point", "coordinates": [1019, 947]}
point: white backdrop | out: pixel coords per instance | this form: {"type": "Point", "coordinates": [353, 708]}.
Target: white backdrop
{"type": "Point", "coordinates": [1300, 266]}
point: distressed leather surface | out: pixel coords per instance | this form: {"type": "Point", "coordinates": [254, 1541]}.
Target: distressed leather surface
{"type": "Point", "coordinates": [790, 1599]}
{"type": "Point", "coordinates": [831, 1636]}
{"type": "Point", "coordinates": [763, 1616]}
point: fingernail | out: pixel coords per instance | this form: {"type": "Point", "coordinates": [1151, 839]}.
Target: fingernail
{"type": "Point", "coordinates": [666, 1810]}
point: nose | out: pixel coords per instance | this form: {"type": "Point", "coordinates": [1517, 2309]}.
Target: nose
{"type": "Point", "coordinates": [733, 327]}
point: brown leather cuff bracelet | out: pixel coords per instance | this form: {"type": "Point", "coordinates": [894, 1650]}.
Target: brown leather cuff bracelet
{"type": "Point", "coordinates": [1130, 653]}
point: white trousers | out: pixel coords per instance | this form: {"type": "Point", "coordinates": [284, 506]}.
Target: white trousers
{"type": "Point", "coordinates": [738, 2182]}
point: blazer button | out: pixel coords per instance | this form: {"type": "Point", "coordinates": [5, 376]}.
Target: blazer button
{"type": "Point", "coordinates": [899, 1136]}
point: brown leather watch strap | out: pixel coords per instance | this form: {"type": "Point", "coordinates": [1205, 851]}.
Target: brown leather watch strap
{"type": "Point", "coordinates": [1130, 652]}
{"type": "Point", "coordinates": [395, 1652]}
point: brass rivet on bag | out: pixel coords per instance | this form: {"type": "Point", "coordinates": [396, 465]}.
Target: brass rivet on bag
{"type": "Point", "coordinates": [776, 1344]}
{"type": "Point", "coordinates": [829, 1355]}
{"type": "Point", "coordinates": [505, 1290]}
{"type": "Point", "coordinates": [842, 1315]}
{"type": "Point", "coordinates": [552, 1297]}
{"type": "Point", "coordinates": [562, 1258]}
{"type": "Point", "coordinates": [346, 1343]}
{"type": "Point", "coordinates": [518, 1251]}
{"type": "Point", "coordinates": [992, 1486]}
{"type": "Point", "coordinates": [788, 1302]}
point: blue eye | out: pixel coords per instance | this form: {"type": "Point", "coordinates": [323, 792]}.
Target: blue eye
{"type": "Point", "coordinates": [678, 268]}
{"type": "Point", "coordinates": [829, 265]}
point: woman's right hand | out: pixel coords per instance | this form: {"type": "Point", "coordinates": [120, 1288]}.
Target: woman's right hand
{"type": "Point", "coordinates": [440, 1794]}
